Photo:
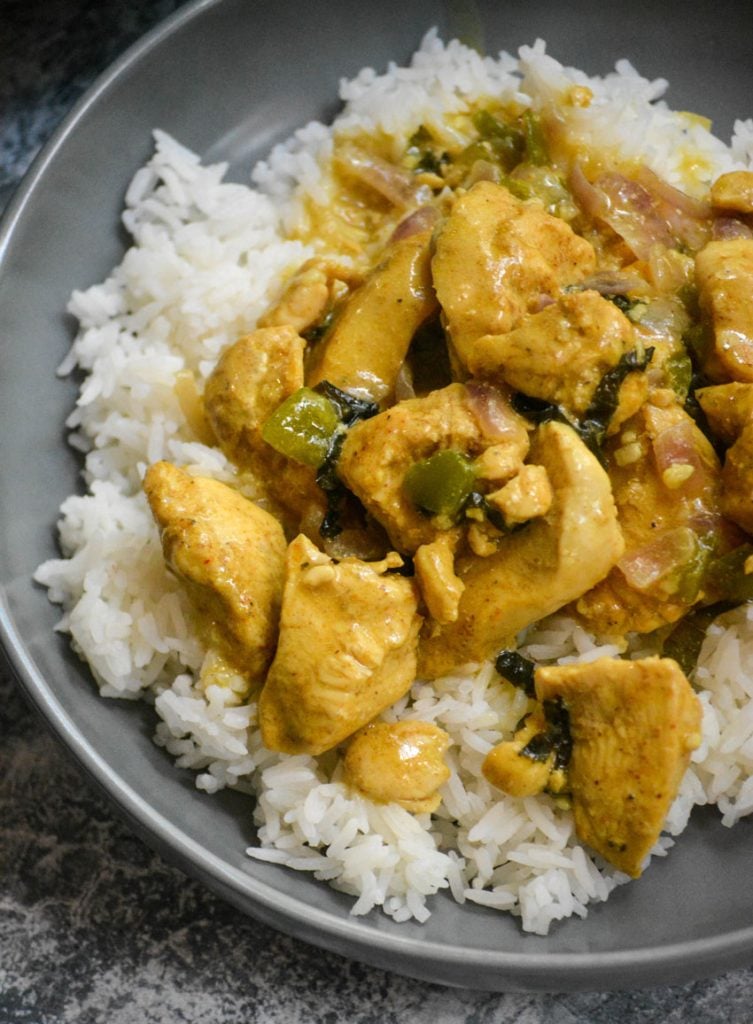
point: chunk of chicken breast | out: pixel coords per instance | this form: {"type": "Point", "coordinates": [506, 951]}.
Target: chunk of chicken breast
{"type": "Point", "coordinates": [252, 377]}
{"type": "Point", "coordinates": [537, 570]}
{"type": "Point", "coordinates": [559, 354]}
{"type": "Point", "coordinates": [737, 480]}
{"type": "Point", "coordinates": [495, 258]}
{"type": "Point", "coordinates": [367, 344]}
{"type": "Point", "coordinates": [727, 407]}
{"type": "Point", "coordinates": [633, 726]}
{"type": "Point", "coordinates": [527, 496]}
{"type": "Point", "coordinates": [435, 575]}
{"type": "Point", "coordinates": [508, 765]}
{"type": "Point", "coordinates": [308, 295]}
{"type": "Point", "coordinates": [729, 411]}
{"type": "Point", "coordinates": [733, 191]}
{"type": "Point", "coordinates": [724, 273]}
{"type": "Point", "coordinates": [378, 452]}
{"type": "Point", "coordinates": [399, 762]}
{"type": "Point", "coordinates": [666, 481]}
{"type": "Point", "coordinates": [230, 555]}
{"type": "Point", "coordinates": [346, 651]}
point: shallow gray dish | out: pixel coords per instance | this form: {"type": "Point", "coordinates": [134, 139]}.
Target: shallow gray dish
{"type": "Point", "coordinates": [229, 78]}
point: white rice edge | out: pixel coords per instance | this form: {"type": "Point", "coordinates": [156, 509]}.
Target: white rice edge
{"type": "Point", "coordinates": [206, 258]}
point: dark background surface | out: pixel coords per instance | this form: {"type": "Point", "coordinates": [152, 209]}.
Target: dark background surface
{"type": "Point", "coordinates": [93, 925]}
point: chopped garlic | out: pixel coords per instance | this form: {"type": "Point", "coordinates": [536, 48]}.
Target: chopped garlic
{"type": "Point", "coordinates": [676, 475]}
{"type": "Point", "coordinates": [628, 454]}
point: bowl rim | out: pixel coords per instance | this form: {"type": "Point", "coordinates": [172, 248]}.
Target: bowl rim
{"type": "Point", "coordinates": [353, 937]}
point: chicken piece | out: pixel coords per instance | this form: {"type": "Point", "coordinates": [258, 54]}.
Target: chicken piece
{"type": "Point", "coordinates": [633, 726]}
{"type": "Point", "coordinates": [369, 340]}
{"type": "Point", "coordinates": [728, 408]}
{"type": "Point", "coordinates": [633, 394]}
{"type": "Point", "coordinates": [495, 257]}
{"type": "Point", "coordinates": [252, 377]}
{"type": "Point", "coordinates": [308, 296]}
{"type": "Point", "coordinates": [399, 762]}
{"type": "Point", "coordinates": [346, 650]}
{"type": "Point", "coordinates": [733, 191]}
{"type": "Point", "coordinates": [729, 411]}
{"type": "Point", "coordinates": [724, 273]}
{"type": "Point", "coordinates": [514, 767]}
{"type": "Point", "coordinates": [526, 496]}
{"type": "Point", "coordinates": [230, 555]}
{"type": "Point", "coordinates": [440, 587]}
{"type": "Point", "coordinates": [498, 463]}
{"type": "Point", "coordinates": [666, 481]}
{"type": "Point", "coordinates": [560, 354]}
{"type": "Point", "coordinates": [378, 452]}
{"type": "Point", "coordinates": [737, 480]}
{"type": "Point", "coordinates": [538, 569]}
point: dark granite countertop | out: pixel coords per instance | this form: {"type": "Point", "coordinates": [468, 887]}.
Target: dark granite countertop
{"type": "Point", "coordinates": [93, 925]}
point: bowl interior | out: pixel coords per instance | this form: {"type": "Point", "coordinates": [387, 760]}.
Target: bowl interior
{"type": "Point", "coordinates": [229, 79]}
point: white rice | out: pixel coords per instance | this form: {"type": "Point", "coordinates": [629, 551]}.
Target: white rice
{"type": "Point", "coordinates": [207, 258]}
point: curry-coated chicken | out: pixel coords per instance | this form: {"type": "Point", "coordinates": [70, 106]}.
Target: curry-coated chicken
{"type": "Point", "coordinates": [560, 354]}
{"type": "Point", "coordinates": [538, 570]}
{"type": "Point", "coordinates": [729, 412]}
{"type": "Point", "coordinates": [496, 258]}
{"type": "Point", "coordinates": [727, 408]}
{"type": "Point", "coordinates": [666, 481]}
{"type": "Point", "coordinates": [346, 651]}
{"type": "Point", "coordinates": [440, 587]}
{"type": "Point", "coordinates": [230, 555]}
{"type": "Point", "coordinates": [378, 452]}
{"type": "Point", "coordinates": [521, 767]}
{"type": "Point", "coordinates": [252, 377]}
{"type": "Point", "coordinates": [364, 349]}
{"type": "Point", "coordinates": [737, 480]}
{"type": "Point", "coordinates": [399, 762]}
{"type": "Point", "coordinates": [724, 274]}
{"type": "Point", "coordinates": [633, 726]}
{"type": "Point", "coordinates": [733, 191]}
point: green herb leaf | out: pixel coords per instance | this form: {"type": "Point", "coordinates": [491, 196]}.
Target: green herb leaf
{"type": "Point", "coordinates": [516, 670]}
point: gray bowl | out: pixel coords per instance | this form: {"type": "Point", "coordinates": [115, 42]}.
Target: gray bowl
{"type": "Point", "coordinates": [229, 78]}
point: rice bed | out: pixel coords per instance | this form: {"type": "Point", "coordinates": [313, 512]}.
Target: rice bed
{"type": "Point", "coordinates": [206, 260]}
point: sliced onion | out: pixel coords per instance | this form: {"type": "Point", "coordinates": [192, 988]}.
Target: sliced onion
{"type": "Point", "coordinates": [495, 415]}
{"type": "Point", "coordinates": [615, 283]}
{"type": "Point", "coordinates": [645, 211]}
{"type": "Point", "coordinates": [541, 302]}
{"type": "Point", "coordinates": [698, 209]}
{"type": "Point", "coordinates": [396, 184]}
{"type": "Point", "coordinates": [670, 270]}
{"type": "Point", "coordinates": [730, 227]}
{"type": "Point", "coordinates": [664, 555]}
{"type": "Point", "coordinates": [631, 213]}
{"type": "Point", "coordinates": [419, 220]}
{"type": "Point", "coordinates": [688, 218]}
{"type": "Point", "coordinates": [591, 200]}
{"type": "Point", "coordinates": [404, 384]}
{"type": "Point", "coordinates": [676, 446]}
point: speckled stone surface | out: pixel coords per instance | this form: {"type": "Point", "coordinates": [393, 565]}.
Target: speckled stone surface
{"type": "Point", "coordinates": [93, 925]}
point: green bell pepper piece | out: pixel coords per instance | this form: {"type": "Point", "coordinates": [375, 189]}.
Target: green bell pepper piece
{"type": "Point", "coordinates": [302, 427]}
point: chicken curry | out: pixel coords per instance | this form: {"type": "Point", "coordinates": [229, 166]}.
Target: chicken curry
{"type": "Point", "coordinates": [513, 379]}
